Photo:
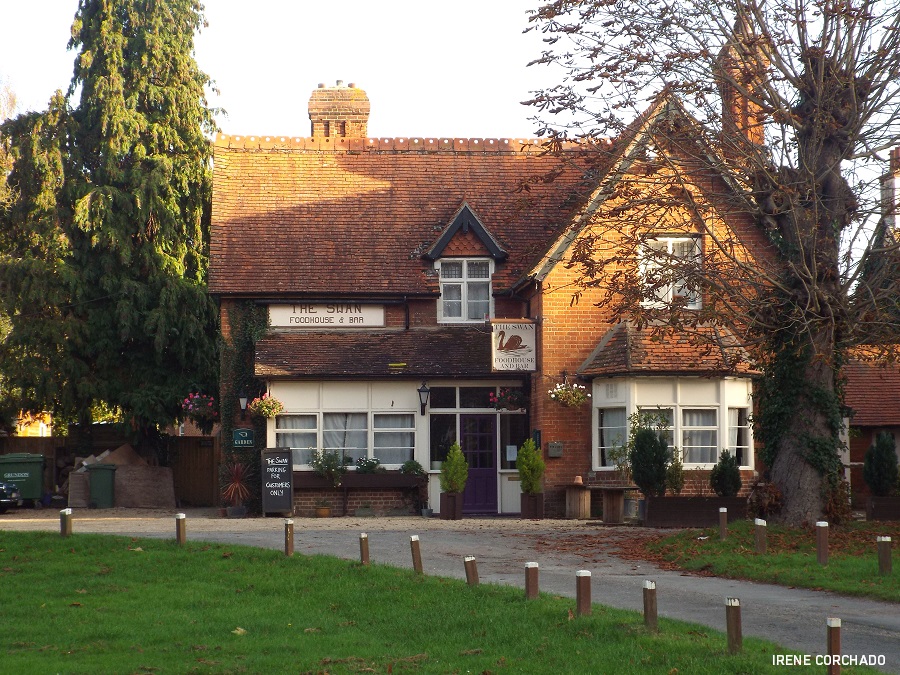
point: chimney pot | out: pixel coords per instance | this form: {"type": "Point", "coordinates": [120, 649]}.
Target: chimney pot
{"type": "Point", "coordinates": [321, 85]}
{"type": "Point", "coordinates": [340, 83]}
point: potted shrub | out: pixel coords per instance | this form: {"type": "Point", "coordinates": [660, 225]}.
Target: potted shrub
{"type": "Point", "coordinates": [454, 474]}
{"type": "Point", "coordinates": [648, 458]}
{"type": "Point", "coordinates": [531, 468]}
{"type": "Point", "coordinates": [235, 476]}
{"type": "Point", "coordinates": [725, 477]}
{"type": "Point", "coordinates": [880, 474]}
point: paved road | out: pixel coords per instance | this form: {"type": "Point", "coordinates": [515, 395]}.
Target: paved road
{"type": "Point", "coordinates": [794, 618]}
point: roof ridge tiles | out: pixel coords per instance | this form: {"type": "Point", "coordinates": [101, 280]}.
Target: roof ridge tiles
{"type": "Point", "coordinates": [394, 144]}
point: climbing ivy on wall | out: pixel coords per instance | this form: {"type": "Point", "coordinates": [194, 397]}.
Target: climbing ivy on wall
{"type": "Point", "coordinates": [248, 322]}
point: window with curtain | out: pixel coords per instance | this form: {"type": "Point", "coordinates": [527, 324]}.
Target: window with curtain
{"type": "Point", "coordinates": [661, 419]}
{"type": "Point", "coordinates": [465, 290]}
{"type": "Point", "coordinates": [299, 433]}
{"type": "Point", "coordinates": [613, 424]}
{"type": "Point", "coordinates": [739, 434]}
{"type": "Point", "coordinates": [664, 264]}
{"type": "Point", "coordinates": [347, 433]}
{"type": "Point", "coordinates": [394, 437]}
{"type": "Point", "coordinates": [699, 434]}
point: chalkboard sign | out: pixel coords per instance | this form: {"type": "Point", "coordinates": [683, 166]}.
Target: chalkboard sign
{"type": "Point", "coordinates": [277, 482]}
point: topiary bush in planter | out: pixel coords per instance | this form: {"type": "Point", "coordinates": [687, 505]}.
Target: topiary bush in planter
{"type": "Point", "coordinates": [725, 477]}
{"type": "Point", "coordinates": [649, 458]}
{"type": "Point", "coordinates": [531, 469]}
{"type": "Point", "coordinates": [454, 474]}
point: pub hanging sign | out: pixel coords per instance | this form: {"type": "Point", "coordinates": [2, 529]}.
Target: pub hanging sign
{"type": "Point", "coordinates": [514, 346]}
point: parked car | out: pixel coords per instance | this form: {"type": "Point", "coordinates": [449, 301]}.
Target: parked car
{"type": "Point", "coordinates": [9, 496]}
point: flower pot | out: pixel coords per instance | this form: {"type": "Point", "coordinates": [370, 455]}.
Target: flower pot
{"type": "Point", "coordinates": [451, 505]}
{"type": "Point", "coordinates": [427, 513]}
{"type": "Point", "coordinates": [323, 512]}
{"type": "Point", "coordinates": [236, 511]}
{"type": "Point", "coordinates": [532, 505]}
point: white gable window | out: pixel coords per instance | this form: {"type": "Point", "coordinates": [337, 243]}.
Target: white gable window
{"type": "Point", "coordinates": [662, 267]}
{"type": "Point", "coordinates": [465, 289]}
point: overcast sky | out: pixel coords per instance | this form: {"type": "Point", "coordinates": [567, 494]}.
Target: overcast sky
{"type": "Point", "coordinates": [430, 68]}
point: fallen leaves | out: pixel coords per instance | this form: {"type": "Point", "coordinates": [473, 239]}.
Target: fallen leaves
{"type": "Point", "coordinates": [239, 631]}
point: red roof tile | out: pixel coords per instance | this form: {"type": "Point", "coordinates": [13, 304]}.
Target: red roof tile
{"type": "Point", "coordinates": [625, 350]}
{"type": "Point", "coordinates": [873, 392]}
{"type": "Point", "coordinates": [301, 217]}
{"type": "Point", "coordinates": [432, 352]}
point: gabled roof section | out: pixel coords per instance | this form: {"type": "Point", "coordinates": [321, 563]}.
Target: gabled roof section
{"type": "Point", "coordinates": [625, 152]}
{"type": "Point", "coordinates": [626, 350]}
{"type": "Point", "coordinates": [465, 220]}
{"type": "Point", "coordinates": [873, 393]}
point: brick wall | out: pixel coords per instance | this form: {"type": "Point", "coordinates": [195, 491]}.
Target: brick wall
{"type": "Point", "coordinates": [383, 501]}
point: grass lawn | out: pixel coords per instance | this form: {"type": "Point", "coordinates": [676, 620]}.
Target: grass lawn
{"type": "Point", "coordinates": [791, 557]}
{"type": "Point", "coordinates": [103, 604]}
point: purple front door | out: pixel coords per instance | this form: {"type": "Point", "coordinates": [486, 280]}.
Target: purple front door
{"type": "Point", "coordinates": [478, 440]}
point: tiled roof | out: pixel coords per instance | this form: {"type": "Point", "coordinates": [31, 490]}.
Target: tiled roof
{"type": "Point", "coordinates": [335, 217]}
{"type": "Point", "coordinates": [432, 352]}
{"type": "Point", "coordinates": [625, 350]}
{"type": "Point", "coordinates": [873, 392]}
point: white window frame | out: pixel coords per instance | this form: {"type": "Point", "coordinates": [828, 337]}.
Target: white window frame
{"type": "Point", "coordinates": [383, 431]}
{"type": "Point", "coordinates": [464, 282]}
{"type": "Point", "coordinates": [650, 261]}
{"type": "Point", "coordinates": [734, 433]}
{"type": "Point", "coordinates": [606, 448]}
{"type": "Point", "coordinates": [685, 429]}
{"type": "Point", "coordinates": [319, 431]}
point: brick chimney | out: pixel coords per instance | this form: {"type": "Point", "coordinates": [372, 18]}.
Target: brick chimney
{"type": "Point", "coordinates": [739, 70]}
{"type": "Point", "coordinates": [339, 111]}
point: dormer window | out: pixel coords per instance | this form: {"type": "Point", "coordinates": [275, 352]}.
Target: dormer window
{"type": "Point", "coordinates": [664, 268]}
{"type": "Point", "coordinates": [465, 289]}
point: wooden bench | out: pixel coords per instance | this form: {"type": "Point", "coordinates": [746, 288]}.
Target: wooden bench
{"type": "Point", "coordinates": [578, 501]}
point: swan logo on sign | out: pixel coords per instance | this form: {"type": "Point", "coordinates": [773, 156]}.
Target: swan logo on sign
{"type": "Point", "coordinates": [513, 346]}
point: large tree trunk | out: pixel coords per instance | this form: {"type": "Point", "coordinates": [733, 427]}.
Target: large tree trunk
{"type": "Point", "coordinates": [807, 455]}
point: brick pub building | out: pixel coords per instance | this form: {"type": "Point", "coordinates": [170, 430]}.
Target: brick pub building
{"type": "Point", "coordinates": [409, 282]}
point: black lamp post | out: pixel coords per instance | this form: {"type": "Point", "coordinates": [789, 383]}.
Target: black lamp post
{"type": "Point", "coordinates": [242, 399]}
{"type": "Point", "coordinates": [424, 392]}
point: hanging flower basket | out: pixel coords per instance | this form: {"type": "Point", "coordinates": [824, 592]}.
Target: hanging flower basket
{"type": "Point", "coordinates": [265, 406]}
{"type": "Point", "coordinates": [571, 395]}
{"type": "Point", "coordinates": [508, 398]}
{"type": "Point", "coordinates": [201, 410]}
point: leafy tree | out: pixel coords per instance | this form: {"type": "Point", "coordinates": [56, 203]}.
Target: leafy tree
{"type": "Point", "coordinates": [104, 247]}
{"type": "Point", "coordinates": [779, 116]}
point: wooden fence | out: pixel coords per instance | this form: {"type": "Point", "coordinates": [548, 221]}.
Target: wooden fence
{"type": "Point", "coordinates": [194, 461]}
